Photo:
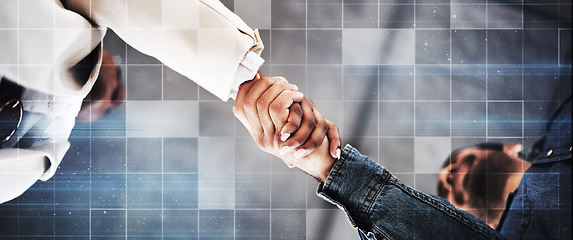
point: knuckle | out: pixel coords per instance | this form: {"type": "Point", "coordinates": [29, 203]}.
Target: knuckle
{"type": "Point", "coordinates": [310, 122]}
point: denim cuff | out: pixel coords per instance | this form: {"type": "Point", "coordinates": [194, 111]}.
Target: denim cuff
{"type": "Point", "coordinates": [353, 183]}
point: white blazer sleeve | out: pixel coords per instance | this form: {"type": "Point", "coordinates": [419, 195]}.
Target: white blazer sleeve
{"type": "Point", "coordinates": [21, 168]}
{"type": "Point", "coordinates": [201, 39]}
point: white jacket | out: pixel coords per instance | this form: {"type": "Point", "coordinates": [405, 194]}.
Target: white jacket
{"type": "Point", "coordinates": [43, 39]}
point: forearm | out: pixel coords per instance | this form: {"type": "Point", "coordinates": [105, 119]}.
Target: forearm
{"type": "Point", "coordinates": [202, 40]}
{"type": "Point", "coordinates": [378, 202]}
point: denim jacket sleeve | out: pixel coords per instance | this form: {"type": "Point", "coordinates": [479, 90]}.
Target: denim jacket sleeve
{"type": "Point", "coordinates": [381, 206]}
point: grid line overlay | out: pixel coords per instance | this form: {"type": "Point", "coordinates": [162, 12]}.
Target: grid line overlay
{"type": "Point", "coordinates": [405, 81]}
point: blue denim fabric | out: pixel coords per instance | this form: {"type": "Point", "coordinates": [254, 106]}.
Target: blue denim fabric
{"type": "Point", "coordinates": [541, 207]}
{"type": "Point", "coordinates": [379, 204]}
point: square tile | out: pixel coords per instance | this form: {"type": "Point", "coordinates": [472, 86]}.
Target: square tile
{"type": "Point", "coordinates": [505, 83]}
{"type": "Point", "coordinates": [324, 83]}
{"type": "Point", "coordinates": [288, 224]}
{"type": "Point", "coordinates": [505, 119]}
{"type": "Point", "coordinates": [144, 224]}
{"type": "Point", "coordinates": [37, 222]}
{"type": "Point", "coordinates": [368, 146]}
{"type": "Point", "coordinates": [144, 82]}
{"type": "Point", "coordinates": [253, 191]}
{"type": "Point", "coordinates": [8, 38]}
{"type": "Point", "coordinates": [433, 83]}
{"type": "Point", "coordinates": [312, 200]}
{"type": "Point", "coordinates": [360, 14]}
{"type": "Point", "coordinates": [540, 47]}
{"type": "Point", "coordinates": [366, 125]}
{"type": "Point", "coordinates": [249, 158]}
{"type": "Point", "coordinates": [396, 119]}
{"type": "Point", "coordinates": [427, 183]}
{"type": "Point", "coordinates": [470, 15]}
{"type": "Point", "coordinates": [34, 14]}
{"type": "Point", "coordinates": [324, 46]}
{"type": "Point", "coordinates": [177, 86]}
{"type": "Point", "coordinates": [468, 119]}
{"type": "Point", "coordinates": [323, 14]}
{"type": "Point", "coordinates": [469, 46]}
{"type": "Point", "coordinates": [432, 14]}
{"type": "Point", "coordinates": [396, 14]}
{"type": "Point", "coordinates": [396, 83]}
{"type": "Point", "coordinates": [432, 119]}
{"type": "Point", "coordinates": [72, 191]}
{"type": "Point", "coordinates": [31, 51]}
{"type": "Point", "coordinates": [108, 155]}
{"type": "Point", "coordinates": [504, 47]}
{"type": "Point", "coordinates": [156, 119]}
{"type": "Point", "coordinates": [108, 224]}
{"type": "Point", "coordinates": [72, 223]}
{"type": "Point", "coordinates": [180, 191]}
{"type": "Point", "coordinates": [144, 191]}
{"type": "Point", "coordinates": [565, 47]}
{"type": "Point", "coordinates": [256, 13]}
{"type": "Point", "coordinates": [216, 224]}
{"type": "Point", "coordinates": [360, 83]}
{"type": "Point", "coordinates": [536, 15]}
{"type": "Point", "coordinates": [539, 83]}
{"type": "Point", "coordinates": [469, 83]}
{"type": "Point", "coordinates": [433, 47]}
{"type": "Point", "coordinates": [108, 190]}
{"type": "Point", "coordinates": [288, 14]}
{"type": "Point", "coordinates": [136, 57]}
{"type": "Point", "coordinates": [178, 224]}
{"type": "Point", "coordinates": [252, 224]}
{"type": "Point", "coordinates": [361, 46]}
{"type": "Point", "coordinates": [216, 119]}
{"type": "Point", "coordinates": [180, 155]}
{"type": "Point", "coordinates": [397, 148]}
{"type": "Point", "coordinates": [398, 47]}
{"type": "Point", "coordinates": [429, 153]}
{"type": "Point", "coordinates": [144, 155]}
{"type": "Point", "coordinates": [291, 51]}
{"type": "Point", "coordinates": [288, 190]}
{"type": "Point", "coordinates": [10, 15]}
{"type": "Point", "coordinates": [504, 15]}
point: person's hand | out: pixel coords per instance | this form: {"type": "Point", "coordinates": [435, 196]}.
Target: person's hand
{"type": "Point", "coordinates": [299, 125]}
{"type": "Point", "coordinates": [251, 107]}
{"type": "Point", "coordinates": [107, 93]}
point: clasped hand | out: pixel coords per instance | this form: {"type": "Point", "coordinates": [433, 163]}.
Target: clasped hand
{"type": "Point", "coordinates": [286, 124]}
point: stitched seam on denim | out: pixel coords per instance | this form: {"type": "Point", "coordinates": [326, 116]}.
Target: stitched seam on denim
{"type": "Point", "coordinates": [337, 167]}
{"type": "Point", "coordinates": [378, 187]}
{"type": "Point", "coordinates": [440, 206]}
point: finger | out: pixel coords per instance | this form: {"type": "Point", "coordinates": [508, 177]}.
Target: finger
{"type": "Point", "coordinates": [250, 108]}
{"type": "Point", "coordinates": [333, 136]}
{"type": "Point", "coordinates": [316, 137]}
{"type": "Point", "coordinates": [280, 113]}
{"type": "Point", "coordinates": [238, 110]}
{"type": "Point", "coordinates": [265, 101]}
{"type": "Point", "coordinates": [308, 123]}
{"type": "Point", "coordinates": [290, 126]}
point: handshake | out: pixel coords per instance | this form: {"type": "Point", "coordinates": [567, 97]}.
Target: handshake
{"type": "Point", "coordinates": [287, 125]}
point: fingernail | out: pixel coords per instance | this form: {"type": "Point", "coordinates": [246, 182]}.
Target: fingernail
{"type": "Point", "coordinates": [290, 165]}
{"type": "Point", "coordinates": [295, 87]}
{"type": "Point", "coordinates": [297, 95]}
{"type": "Point", "coordinates": [299, 153]}
{"type": "Point", "coordinates": [285, 136]}
{"type": "Point", "coordinates": [338, 153]}
{"type": "Point", "coordinates": [284, 150]}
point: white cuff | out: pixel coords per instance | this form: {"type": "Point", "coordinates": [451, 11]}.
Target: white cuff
{"type": "Point", "coordinates": [246, 71]}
